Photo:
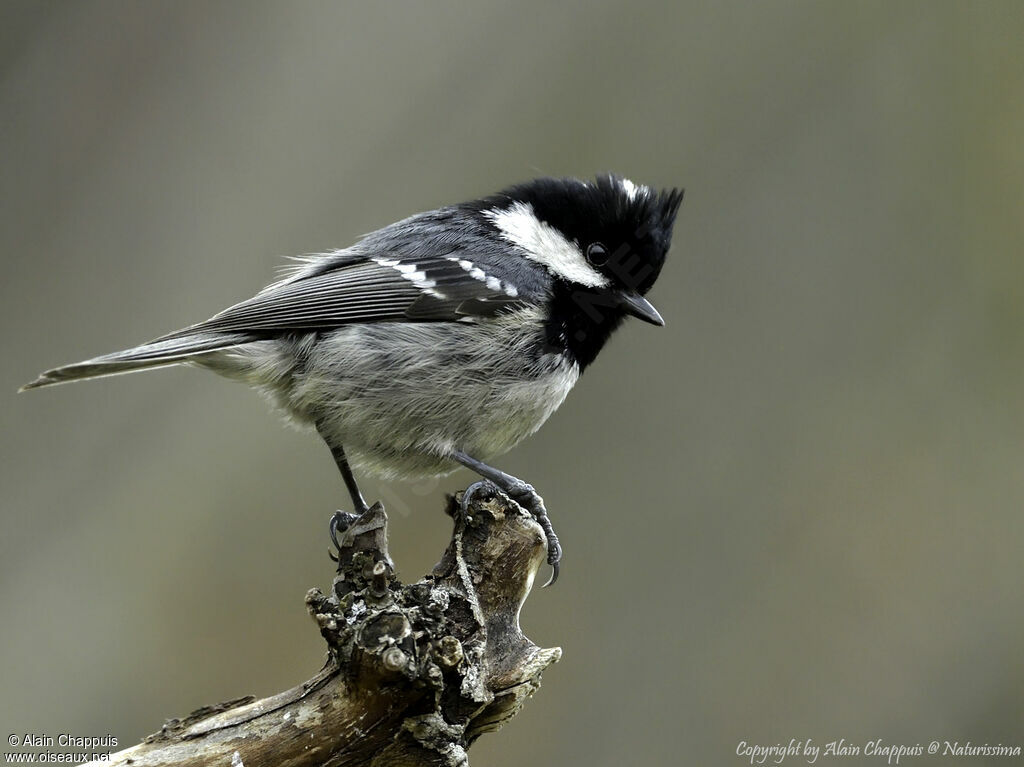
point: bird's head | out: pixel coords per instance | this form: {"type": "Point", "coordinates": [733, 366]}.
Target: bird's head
{"type": "Point", "coordinates": [603, 242]}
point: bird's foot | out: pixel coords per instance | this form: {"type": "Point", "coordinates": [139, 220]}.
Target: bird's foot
{"type": "Point", "coordinates": [535, 505]}
{"type": "Point", "coordinates": [528, 498]}
{"type": "Point", "coordinates": [340, 522]}
{"type": "Point", "coordinates": [524, 494]}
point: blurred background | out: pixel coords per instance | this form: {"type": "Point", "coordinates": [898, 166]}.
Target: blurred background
{"type": "Point", "coordinates": [822, 450]}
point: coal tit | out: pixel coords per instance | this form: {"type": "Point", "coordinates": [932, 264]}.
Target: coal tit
{"type": "Point", "coordinates": [443, 339]}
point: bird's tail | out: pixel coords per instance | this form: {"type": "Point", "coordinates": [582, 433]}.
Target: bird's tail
{"type": "Point", "coordinates": [169, 350]}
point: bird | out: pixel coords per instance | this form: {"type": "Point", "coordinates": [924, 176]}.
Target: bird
{"type": "Point", "coordinates": [441, 340]}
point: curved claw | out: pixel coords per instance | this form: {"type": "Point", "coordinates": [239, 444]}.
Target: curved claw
{"type": "Point", "coordinates": [554, 547]}
{"type": "Point", "coordinates": [473, 490]}
{"type": "Point", "coordinates": [554, 575]}
{"type": "Point", "coordinates": [528, 498]}
{"type": "Point", "coordinates": [340, 520]}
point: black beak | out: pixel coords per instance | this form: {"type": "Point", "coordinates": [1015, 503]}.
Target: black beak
{"type": "Point", "coordinates": [640, 308]}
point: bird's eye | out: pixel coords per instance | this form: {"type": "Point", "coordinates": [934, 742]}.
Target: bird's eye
{"type": "Point", "coordinates": [597, 254]}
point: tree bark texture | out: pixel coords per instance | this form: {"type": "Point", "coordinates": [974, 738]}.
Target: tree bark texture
{"type": "Point", "coordinates": [414, 674]}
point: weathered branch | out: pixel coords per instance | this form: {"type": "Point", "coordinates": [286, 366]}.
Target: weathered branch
{"type": "Point", "coordinates": [414, 673]}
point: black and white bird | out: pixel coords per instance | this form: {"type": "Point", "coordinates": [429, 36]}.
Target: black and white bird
{"type": "Point", "coordinates": [443, 339]}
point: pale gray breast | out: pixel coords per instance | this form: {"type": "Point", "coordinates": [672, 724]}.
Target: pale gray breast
{"type": "Point", "coordinates": [400, 396]}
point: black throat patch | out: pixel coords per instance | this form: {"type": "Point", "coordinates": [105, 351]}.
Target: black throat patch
{"type": "Point", "coordinates": [581, 321]}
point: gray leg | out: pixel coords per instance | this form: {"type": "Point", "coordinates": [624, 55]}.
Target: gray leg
{"type": "Point", "coordinates": [523, 494]}
{"type": "Point", "coordinates": [346, 474]}
{"type": "Point", "coordinates": [340, 519]}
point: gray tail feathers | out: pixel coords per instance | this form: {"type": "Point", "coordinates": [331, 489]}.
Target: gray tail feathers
{"type": "Point", "coordinates": [168, 350]}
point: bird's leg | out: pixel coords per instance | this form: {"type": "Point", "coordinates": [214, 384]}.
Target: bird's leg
{"type": "Point", "coordinates": [341, 520]}
{"type": "Point", "coordinates": [358, 502]}
{"type": "Point", "coordinates": [523, 494]}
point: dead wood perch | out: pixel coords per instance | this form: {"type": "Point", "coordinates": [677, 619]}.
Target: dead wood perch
{"type": "Point", "coordinates": [414, 673]}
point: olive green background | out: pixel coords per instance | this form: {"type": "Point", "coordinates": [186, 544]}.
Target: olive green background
{"type": "Point", "coordinates": [795, 512]}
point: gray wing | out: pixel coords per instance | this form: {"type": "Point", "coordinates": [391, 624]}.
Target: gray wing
{"type": "Point", "coordinates": [367, 288]}
{"type": "Point", "coordinates": [409, 271]}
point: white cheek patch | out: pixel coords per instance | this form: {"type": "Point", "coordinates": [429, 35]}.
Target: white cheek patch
{"type": "Point", "coordinates": [414, 275]}
{"type": "Point", "coordinates": [544, 244]}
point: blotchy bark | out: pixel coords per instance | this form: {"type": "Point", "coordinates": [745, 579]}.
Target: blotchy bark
{"type": "Point", "coordinates": [414, 673]}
